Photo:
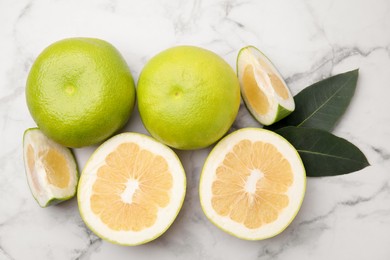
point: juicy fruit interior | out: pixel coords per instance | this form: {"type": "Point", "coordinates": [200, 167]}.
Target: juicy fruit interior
{"type": "Point", "coordinates": [54, 163]}
{"type": "Point", "coordinates": [276, 83]}
{"type": "Point", "coordinates": [254, 82]}
{"type": "Point", "coordinates": [130, 188]}
{"type": "Point", "coordinates": [256, 97]}
{"type": "Point", "coordinates": [251, 184]}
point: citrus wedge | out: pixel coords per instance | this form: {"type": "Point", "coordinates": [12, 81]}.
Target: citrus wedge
{"type": "Point", "coordinates": [131, 189]}
{"type": "Point", "coordinates": [263, 89]}
{"type": "Point", "coordinates": [50, 168]}
{"type": "Point", "coordinates": [252, 184]}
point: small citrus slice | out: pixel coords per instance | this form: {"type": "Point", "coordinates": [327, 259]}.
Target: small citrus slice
{"type": "Point", "coordinates": [252, 184]}
{"type": "Point", "coordinates": [263, 89]}
{"type": "Point", "coordinates": [131, 189]}
{"type": "Point", "coordinates": [50, 168]}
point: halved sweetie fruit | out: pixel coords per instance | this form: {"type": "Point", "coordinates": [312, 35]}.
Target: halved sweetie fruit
{"type": "Point", "coordinates": [263, 89]}
{"type": "Point", "coordinates": [131, 189]}
{"type": "Point", "coordinates": [252, 184]}
{"type": "Point", "coordinates": [50, 168]}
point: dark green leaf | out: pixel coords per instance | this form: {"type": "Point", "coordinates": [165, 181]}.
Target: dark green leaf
{"type": "Point", "coordinates": [323, 103]}
{"type": "Point", "coordinates": [322, 153]}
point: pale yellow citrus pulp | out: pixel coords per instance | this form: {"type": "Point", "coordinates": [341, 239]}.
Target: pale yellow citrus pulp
{"type": "Point", "coordinates": [252, 184]}
{"type": "Point", "coordinates": [252, 191]}
{"type": "Point", "coordinates": [50, 167]}
{"type": "Point", "coordinates": [130, 188]}
{"type": "Point", "coordinates": [263, 89]}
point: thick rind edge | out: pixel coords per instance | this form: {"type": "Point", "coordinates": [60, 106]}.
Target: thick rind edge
{"type": "Point", "coordinates": [54, 200]}
{"type": "Point", "coordinates": [299, 204]}
{"type": "Point", "coordinates": [281, 113]}
{"type": "Point", "coordinates": [169, 224]}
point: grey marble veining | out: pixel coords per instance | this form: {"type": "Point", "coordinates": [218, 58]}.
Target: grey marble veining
{"type": "Point", "coordinates": [344, 217]}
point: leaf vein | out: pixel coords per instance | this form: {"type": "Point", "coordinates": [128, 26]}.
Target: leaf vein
{"type": "Point", "coordinates": [329, 155]}
{"type": "Point", "coordinates": [327, 100]}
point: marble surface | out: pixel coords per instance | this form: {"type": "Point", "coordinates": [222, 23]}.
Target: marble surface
{"type": "Point", "coordinates": [345, 217]}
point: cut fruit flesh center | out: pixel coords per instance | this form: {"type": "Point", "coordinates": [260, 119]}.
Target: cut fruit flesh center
{"type": "Point", "coordinates": [278, 86]}
{"type": "Point", "coordinates": [251, 184]}
{"type": "Point", "coordinates": [130, 188]}
{"type": "Point", "coordinates": [128, 193]}
{"type": "Point", "coordinates": [55, 165]}
{"type": "Point", "coordinates": [256, 97]}
{"type": "Point", "coordinates": [57, 170]}
{"type": "Point", "coordinates": [276, 83]}
{"type": "Point", "coordinates": [254, 85]}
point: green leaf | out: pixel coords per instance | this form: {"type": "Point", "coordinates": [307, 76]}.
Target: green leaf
{"type": "Point", "coordinates": [323, 103]}
{"type": "Point", "coordinates": [322, 153]}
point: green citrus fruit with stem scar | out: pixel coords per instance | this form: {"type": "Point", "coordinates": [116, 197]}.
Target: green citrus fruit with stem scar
{"type": "Point", "coordinates": [188, 97]}
{"type": "Point", "coordinates": [80, 91]}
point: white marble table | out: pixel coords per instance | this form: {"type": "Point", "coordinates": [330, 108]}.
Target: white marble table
{"type": "Point", "coordinates": [345, 217]}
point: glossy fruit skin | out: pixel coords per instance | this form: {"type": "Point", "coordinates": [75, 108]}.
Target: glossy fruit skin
{"type": "Point", "coordinates": [80, 91]}
{"type": "Point", "coordinates": [188, 97]}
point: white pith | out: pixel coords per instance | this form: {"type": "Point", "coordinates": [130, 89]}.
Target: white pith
{"type": "Point", "coordinates": [295, 192]}
{"type": "Point", "coordinates": [166, 215]}
{"type": "Point", "coordinates": [251, 56]}
{"type": "Point", "coordinates": [46, 191]}
{"type": "Point", "coordinates": [131, 187]}
{"type": "Point", "coordinates": [250, 185]}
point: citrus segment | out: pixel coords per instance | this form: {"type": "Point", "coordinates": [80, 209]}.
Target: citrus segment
{"type": "Point", "coordinates": [51, 169]}
{"type": "Point", "coordinates": [139, 189]}
{"type": "Point", "coordinates": [252, 184]}
{"type": "Point", "coordinates": [256, 97]}
{"type": "Point", "coordinates": [263, 89]}
{"type": "Point", "coordinates": [131, 189]}
{"type": "Point", "coordinates": [57, 170]}
{"type": "Point", "coordinates": [276, 82]}
{"type": "Point", "coordinates": [246, 194]}
{"type": "Point", "coordinates": [278, 86]}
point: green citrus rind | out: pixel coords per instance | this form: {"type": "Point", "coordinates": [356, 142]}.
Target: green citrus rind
{"type": "Point", "coordinates": [188, 97]}
{"type": "Point", "coordinates": [80, 91]}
